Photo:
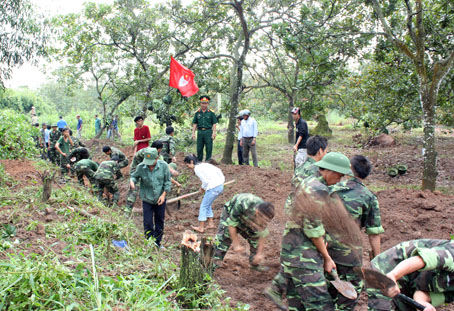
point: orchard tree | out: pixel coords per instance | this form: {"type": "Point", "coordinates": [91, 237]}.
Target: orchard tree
{"type": "Point", "coordinates": [423, 32]}
{"type": "Point", "coordinates": [23, 36]}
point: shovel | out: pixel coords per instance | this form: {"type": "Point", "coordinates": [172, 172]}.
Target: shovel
{"type": "Point", "coordinates": [179, 201]}
{"type": "Point", "coordinates": [376, 279]}
{"type": "Point", "coordinates": [345, 288]}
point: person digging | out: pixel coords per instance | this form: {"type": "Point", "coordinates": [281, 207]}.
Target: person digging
{"type": "Point", "coordinates": [246, 215]}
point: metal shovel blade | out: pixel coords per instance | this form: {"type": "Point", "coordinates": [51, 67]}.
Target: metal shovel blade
{"type": "Point", "coordinates": [374, 278]}
{"type": "Point", "coordinates": [345, 288]}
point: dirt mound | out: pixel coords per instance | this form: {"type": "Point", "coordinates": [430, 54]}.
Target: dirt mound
{"type": "Point", "coordinates": [383, 140]}
{"type": "Point", "coordinates": [20, 170]}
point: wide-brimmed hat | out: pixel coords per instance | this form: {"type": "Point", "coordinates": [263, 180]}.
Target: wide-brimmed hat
{"type": "Point", "coordinates": [336, 162]}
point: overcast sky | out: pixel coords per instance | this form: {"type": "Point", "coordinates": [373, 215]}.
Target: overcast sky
{"type": "Point", "coordinates": [31, 76]}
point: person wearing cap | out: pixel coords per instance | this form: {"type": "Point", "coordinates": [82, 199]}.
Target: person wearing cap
{"type": "Point", "coordinates": [248, 133]}
{"type": "Point", "coordinates": [142, 134]}
{"type": "Point", "coordinates": [105, 178]}
{"type": "Point", "coordinates": [204, 122]}
{"type": "Point", "coordinates": [301, 137]}
{"type": "Point", "coordinates": [362, 205]}
{"type": "Point", "coordinates": [62, 124]}
{"type": "Point", "coordinates": [304, 254]}
{"type": "Point", "coordinates": [123, 160]}
{"type": "Point", "coordinates": [54, 135]}
{"type": "Point", "coordinates": [239, 118]}
{"type": "Point", "coordinates": [63, 146]}
{"type": "Point", "coordinates": [79, 126]}
{"type": "Point", "coordinates": [154, 178]}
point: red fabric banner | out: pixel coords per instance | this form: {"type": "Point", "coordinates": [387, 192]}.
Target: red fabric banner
{"type": "Point", "coordinates": [182, 79]}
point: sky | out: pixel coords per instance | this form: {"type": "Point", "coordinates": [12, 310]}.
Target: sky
{"type": "Point", "coordinates": [33, 76]}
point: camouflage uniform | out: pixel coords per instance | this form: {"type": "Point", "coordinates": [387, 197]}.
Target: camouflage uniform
{"type": "Point", "coordinates": [77, 153]}
{"type": "Point", "coordinates": [53, 153]}
{"type": "Point", "coordinates": [132, 194]}
{"type": "Point", "coordinates": [239, 212]}
{"type": "Point", "coordinates": [77, 143]}
{"type": "Point", "coordinates": [88, 168]}
{"type": "Point", "coordinates": [123, 162]}
{"type": "Point", "coordinates": [104, 177]}
{"type": "Point", "coordinates": [65, 147]}
{"type": "Point", "coordinates": [437, 277]}
{"type": "Point", "coordinates": [363, 207]}
{"type": "Point", "coordinates": [301, 263]}
{"type": "Point", "coordinates": [168, 151]}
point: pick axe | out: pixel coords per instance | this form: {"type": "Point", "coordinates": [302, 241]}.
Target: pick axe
{"type": "Point", "coordinates": [378, 280]}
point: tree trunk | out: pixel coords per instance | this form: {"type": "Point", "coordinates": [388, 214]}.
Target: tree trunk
{"type": "Point", "coordinates": [290, 125]}
{"type": "Point", "coordinates": [47, 178]}
{"type": "Point", "coordinates": [428, 99]}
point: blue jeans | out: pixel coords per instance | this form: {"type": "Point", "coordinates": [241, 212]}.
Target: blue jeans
{"type": "Point", "coordinates": [205, 210]}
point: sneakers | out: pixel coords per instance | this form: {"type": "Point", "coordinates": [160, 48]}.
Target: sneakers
{"type": "Point", "coordinates": [275, 297]}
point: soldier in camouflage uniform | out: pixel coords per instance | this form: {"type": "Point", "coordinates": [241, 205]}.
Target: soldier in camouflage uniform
{"type": "Point", "coordinates": [362, 206]}
{"type": "Point", "coordinates": [115, 152]}
{"type": "Point", "coordinates": [246, 215]}
{"type": "Point", "coordinates": [105, 178]}
{"type": "Point", "coordinates": [168, 150]}
{"type": "Point", "coordinates": [77, 142]}
{"type": "Point", "coordinates": [423, 269]}
{"type": "Point", "coordinates": [54, 135]}
{"type": "Point", "coordinates": [304, 256]}
{"type": "Point", "coordinates": [86, 167]}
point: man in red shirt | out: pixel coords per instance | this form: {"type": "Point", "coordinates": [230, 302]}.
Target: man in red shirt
{"type": "Point", "coordinates": [141, 135]}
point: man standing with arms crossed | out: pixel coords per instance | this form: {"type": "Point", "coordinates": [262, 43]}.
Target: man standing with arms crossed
{"type": "Point", "coordinates": [205, 122]}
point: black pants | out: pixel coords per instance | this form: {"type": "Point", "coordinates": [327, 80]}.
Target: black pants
{"type": "Point", "coordinates": [240, 154]}
{"type": "Point", "coordinates": [153, 220]}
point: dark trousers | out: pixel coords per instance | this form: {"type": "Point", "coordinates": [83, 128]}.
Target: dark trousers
{"type": "Point", "coordinates": [204, 139]}
{"type": "Point", "coordinates": [153, 220]}
{"type": "Point", "coordinates": [240, 154]}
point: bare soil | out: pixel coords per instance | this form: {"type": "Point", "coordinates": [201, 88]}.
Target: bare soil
{"type": "Point", "coordinates": [406, 214]}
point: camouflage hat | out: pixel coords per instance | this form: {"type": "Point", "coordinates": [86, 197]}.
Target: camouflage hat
{"type": "Point", "coordinates": [336, 162]}
{"type": "Point", "coordinates": [150, 156]}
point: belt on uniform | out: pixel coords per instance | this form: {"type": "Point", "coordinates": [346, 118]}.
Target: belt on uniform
{"type": "Point", "coordinates": [204, 129]}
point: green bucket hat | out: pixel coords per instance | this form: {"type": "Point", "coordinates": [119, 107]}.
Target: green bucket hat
{"type": "Point", "coordinates": [150, 156]}
{"type": "Point", "coordinates": [54, 125]}
{"type": "Point", "coordinates": [336, 162]}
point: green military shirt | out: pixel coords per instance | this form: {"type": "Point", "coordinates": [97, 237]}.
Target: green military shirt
{"type": "Point", "coordinates": [168, 151]}
{"type": "Point", "coordinates": [77, 143]}
{"type": "Point", "coordinates": [64, 145]}
{"type": "Point", "coordinates": [107, 170]}
{"type": "Point", "coordinates": [299, 230]}
{"type": "Point", "coordinates": [118, 153]}
{"type": "Point", "coordinates": [53, 137]}
{"type": "Point", "coordinates": [204, 119]}
{"type": "Point", "coordinates": [152, 183]}
{"type": "Point", "coordinates": [363, 207]}
{"type": "Point", "coordinates": [434, 277]}
{"type": "Point", "coordinates": [77, 152]}
{"type": "Point", "coordinates": [241, 214]}
{"type": "Point", "coordinates": [86, 163]}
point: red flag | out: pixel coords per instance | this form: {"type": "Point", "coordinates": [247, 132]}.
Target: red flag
{"type": "Point", "coordinates": [182, 79]}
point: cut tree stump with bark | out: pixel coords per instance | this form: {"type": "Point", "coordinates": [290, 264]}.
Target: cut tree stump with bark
{"type": "Point", "coordinates": [196, 262]}
{"type": "Point", "coordinates": [47, 178]}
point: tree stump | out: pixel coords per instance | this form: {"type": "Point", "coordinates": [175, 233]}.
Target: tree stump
{"type": "Point", "coordinates": [196, 263]}
{"type": "Point", "coordinates": [47, 178]}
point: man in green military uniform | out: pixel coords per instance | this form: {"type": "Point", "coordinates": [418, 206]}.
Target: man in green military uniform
{"type": "Point", "coordinates": [168, 150]}
{"type": "Point", "coordinates": [76, 155]}
{"type": "Point", "coordinates": [304, 255]}
{"type": "Point", "coordinates": [205, 123]}
{"type": "Point", "coordinates": [362, 206]}
{"type": "Point", "coordinates": [77, 142]}
{"type": "Point", "coordinates": [246, 215]}
{"type": "Point", "coordinates": [86, 167]}
{"type": "Point", "coordinates": [63, 146]}
{"type": "Point", "coordinates": [105, 178]}
{"type": "Point", "coordinates": [422, 269]}
{"type": "Point", "coordinates": [112, 152]}
{"type": "Point", "coordinates": [54, 135]}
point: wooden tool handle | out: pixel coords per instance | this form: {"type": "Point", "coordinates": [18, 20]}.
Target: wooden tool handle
{"type": "Point", "coordinates": [185, 196]}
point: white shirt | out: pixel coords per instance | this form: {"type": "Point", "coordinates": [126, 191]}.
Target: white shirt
{"type": "Point", "coordinates": [209, 175]}
{"type": "Point", "coordinates": [248, 128]}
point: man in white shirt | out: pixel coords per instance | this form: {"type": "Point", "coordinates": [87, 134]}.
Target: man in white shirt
{"type": "Point", "coordinates": [248, 134]}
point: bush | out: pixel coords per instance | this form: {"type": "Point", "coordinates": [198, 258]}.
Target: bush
{"type": "Point", "coordinates": [16, 136]}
